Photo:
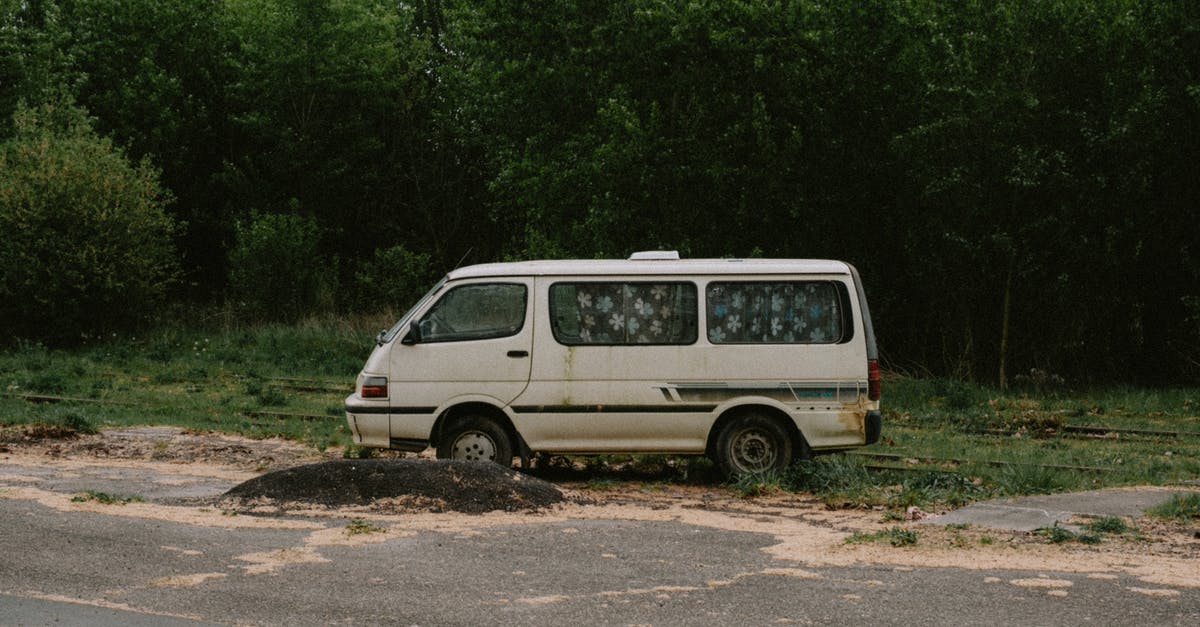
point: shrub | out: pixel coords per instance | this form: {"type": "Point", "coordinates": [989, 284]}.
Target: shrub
{"type": "Point", "coordinates": [394, 277]}
{"type": "Point", "coordinates": [85, 244]}
{"type": "Point", "coordinates": [277, 271]}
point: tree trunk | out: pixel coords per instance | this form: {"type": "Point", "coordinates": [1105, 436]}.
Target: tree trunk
{"type": "Point", "coordinates": [1004, 328]}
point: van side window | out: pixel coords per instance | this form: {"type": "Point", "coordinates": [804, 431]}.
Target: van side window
{"type": "Point", "coordinates": [623, 313]}
{"type": "Point", "coordinates": [786, 312]}
{"type": "Point", "coordinates": [475, 312]}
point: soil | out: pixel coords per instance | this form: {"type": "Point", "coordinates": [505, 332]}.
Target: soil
{"type": "Point", "coordinates": [398, 485]}
{"type": "Point", "coordinates": [160, 444]}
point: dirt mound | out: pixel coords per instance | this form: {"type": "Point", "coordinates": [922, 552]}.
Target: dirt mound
{"type": "Point", "coordinates": [430, 485]}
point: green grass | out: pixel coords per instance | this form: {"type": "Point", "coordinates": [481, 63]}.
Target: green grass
{"type": "Point", "coordinates": [235, 381]}
{"type": "Point", "coordinates": [361, 527]}
{"type": "Point", "coordinates": [950, 442]}
{"type": "Point", "coordinates": [1059, 535]}
{"type": "Point", "coordinates": [1180, 508]}
{"type": "Point", "coordinates": [895, 536]}
{"type": "Point", "coordinates": [1108, 524]}
{"type": "Point", "coordinates": [105, 498]}
{"type": "Point", "coordinates": [1016, 442]}
{"type": "Point", "coordinates": [758, 484]}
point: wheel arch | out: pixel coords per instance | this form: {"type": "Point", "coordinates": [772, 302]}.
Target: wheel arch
{"type": "Point", "coordinates": [483, 409]}
{"type": "Point", "coordinates": [800, 446]}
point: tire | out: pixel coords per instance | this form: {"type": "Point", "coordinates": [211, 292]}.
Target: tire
{"type": "Point", "coordinates": [753, 443]}
{"type": "Point", "coordinates": [475, 438]}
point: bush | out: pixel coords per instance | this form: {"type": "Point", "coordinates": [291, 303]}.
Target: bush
{"type": "Point", "coordinates": [85, 245]}
{"type": "Point", "coordinates": [276, 270]}
{"type": "Point", "coordinates": [395, 277]}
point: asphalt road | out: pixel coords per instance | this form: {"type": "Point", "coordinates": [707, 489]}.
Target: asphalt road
{"type": "Point", "coordinates": [111, 565]}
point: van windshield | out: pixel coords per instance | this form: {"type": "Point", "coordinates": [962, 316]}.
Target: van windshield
{"type": "Point", "coordinates": [402, 323]}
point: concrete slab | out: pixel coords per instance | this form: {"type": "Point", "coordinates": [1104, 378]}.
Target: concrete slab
{"type": "Point", "coordinates": [1034, 512]}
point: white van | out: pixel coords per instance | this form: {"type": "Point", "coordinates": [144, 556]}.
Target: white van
{"type": "Point", "coordinates": [753, 362]}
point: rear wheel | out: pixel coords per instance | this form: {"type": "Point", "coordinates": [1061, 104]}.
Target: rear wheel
{"type": "Point", "coordinates": [752, 443]}
{"type": "Point", "coordinates": [475, 438]}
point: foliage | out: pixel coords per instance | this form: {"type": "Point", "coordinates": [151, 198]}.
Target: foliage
{"type": "Point", "coordinates": [395, 277]}
{"type": "Point", "coordinates": [1014, 179]}
{"type": "Point", "coordinates": [277, 270]}
{"type": "Point", "coordinates": [85, 244]}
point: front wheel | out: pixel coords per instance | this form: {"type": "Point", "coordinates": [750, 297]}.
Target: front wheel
{"type": "Point", "coordinates": [475, 438]}
{"type": "Point", "coordinates": [752, 443]}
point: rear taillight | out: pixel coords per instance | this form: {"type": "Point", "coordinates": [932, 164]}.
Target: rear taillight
{"type": "Point", "coordinates": [873, 379]}
{"type": "Point", "coordinates": [374, 387]}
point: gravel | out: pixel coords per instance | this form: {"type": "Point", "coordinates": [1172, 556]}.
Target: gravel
{"type": "Point", "coordinates": [402, 484]}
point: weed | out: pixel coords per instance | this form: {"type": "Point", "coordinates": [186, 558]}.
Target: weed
{"type": "Point", "coordinates": [1180, 507]}
{"type": "Point", "coordinates": [601, 484]}
{"type": "Point", "coordinates": [987, 540]}
{"type": "Point", "coordinates": [896, 536]}
{"type": "Point", "coordinates": [936, 487]}
{"type": "Point", "coordinates": [73, 419]}
{"type": "Point", "coordinates": [1059, 535]}
{"type": "Point", "coordinates": [838, 479]}
{"type": "Point", "coordinates": [105, 498]}
{"type": "Point", "coordinates": [1107, 524]}
{"type": "Point", "coordinates": [758, 484]}
{"type": "Point", "coordinates": [48, 382]}
{"type": "Point", "coordinates": [358, 527]}
{"type": "Point", "coordinates": [958, 395]}
{"type": "Point", "coordinates": [1031, 478]}
{"type": "Point", "coordinates": [355, 451]}
{"type": "Point", "coordinates": [650, 464]}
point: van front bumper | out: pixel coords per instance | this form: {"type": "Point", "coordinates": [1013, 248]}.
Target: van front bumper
{"type": "Point", "coordinates": [369, 422]}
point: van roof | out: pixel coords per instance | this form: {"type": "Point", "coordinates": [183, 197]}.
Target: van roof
{"type": "Point", "coordinates": [608, 267]}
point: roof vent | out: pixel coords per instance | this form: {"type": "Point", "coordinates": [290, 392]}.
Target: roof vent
{"type": "Point", "coordinates": [655, 255]}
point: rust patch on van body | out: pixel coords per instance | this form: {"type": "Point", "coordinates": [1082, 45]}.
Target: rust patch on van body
{"type": "Point", "coordinates": [854, 417]}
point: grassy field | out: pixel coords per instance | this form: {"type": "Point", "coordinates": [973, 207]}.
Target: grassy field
{"type": "Point", "coordinates": [287, 381]}
{"type": "Point", "coordinates": [944, 442]}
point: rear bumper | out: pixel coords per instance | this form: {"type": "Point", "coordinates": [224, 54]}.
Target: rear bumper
{"type": "Point", "coordinates": [873, 426]}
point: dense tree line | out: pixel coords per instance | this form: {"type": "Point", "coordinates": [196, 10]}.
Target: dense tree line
{"type": "Point", "coordinates": [1014, 179]}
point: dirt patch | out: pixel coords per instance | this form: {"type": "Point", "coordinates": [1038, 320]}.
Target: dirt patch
{"type": "Point", "coordinates": [23, 434]}
{"type": "Point", "coordinates": [401, 484]}
{"type": "Point", "coordinates": [158, 444]}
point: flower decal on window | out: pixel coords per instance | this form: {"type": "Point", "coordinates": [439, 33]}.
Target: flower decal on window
{"type": "Point", "coordinates": [615, 313]}
{"type": "Point", "coordinates": [783, 312]}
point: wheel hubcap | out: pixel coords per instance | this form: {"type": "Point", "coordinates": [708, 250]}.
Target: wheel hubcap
{"type": "Point", "coordinates": [752, 451]}
{"type": "Point", "coordinates": [474, 447]}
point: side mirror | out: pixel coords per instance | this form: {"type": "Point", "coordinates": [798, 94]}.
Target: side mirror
{"type": "Point", "coordinates": [414, 334]}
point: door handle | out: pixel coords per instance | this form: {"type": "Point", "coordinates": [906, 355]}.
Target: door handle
{"type": "Point", "coordinates": [518, 353]}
